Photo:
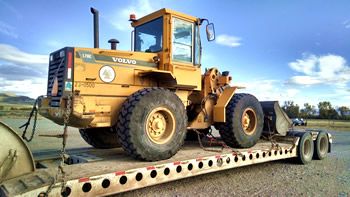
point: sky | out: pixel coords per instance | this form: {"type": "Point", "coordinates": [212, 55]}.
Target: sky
{"type": "Point", "coordinates": [278, 50]}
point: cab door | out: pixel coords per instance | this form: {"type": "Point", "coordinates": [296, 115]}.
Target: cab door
{"type": "Point", "coordinates": [185, 53]}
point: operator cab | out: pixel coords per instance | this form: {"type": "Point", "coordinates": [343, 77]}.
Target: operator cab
{"type": "Point", "coordinates": [182, 42]}
{"type": "Point", "coordinates": [174, 38]}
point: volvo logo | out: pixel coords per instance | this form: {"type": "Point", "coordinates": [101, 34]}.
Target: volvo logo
{"type": "Point", "coordinates": [124, 61]}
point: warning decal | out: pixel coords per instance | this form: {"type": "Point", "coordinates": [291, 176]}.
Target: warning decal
{"type": "Point", "coordinates": [107, 74]}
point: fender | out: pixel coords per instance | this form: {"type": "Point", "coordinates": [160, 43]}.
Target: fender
{"type": "Point", "coordinates": [223, 100]}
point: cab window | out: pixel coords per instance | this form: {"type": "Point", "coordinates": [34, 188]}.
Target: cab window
{"type": "Point", "coordinates": [149, 36]}
{"type": "Point", "coordinates": [182, 39]}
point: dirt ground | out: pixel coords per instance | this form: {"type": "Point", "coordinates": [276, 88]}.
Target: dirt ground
{"type": "Point", "coordinates": [329, 177]}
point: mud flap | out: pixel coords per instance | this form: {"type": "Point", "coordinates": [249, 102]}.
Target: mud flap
{"type": "Point", "coordinates": [276, 120]}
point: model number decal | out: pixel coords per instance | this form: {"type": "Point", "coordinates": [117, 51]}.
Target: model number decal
{"type": "Point", "coordinates": [85, 85]}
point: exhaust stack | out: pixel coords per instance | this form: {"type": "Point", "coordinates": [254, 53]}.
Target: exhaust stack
{"type": "Point", "coordinates": [96, 28]}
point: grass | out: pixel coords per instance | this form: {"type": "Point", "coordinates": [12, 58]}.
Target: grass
{"type": "Point", "coordinates": [333, 125]}
{"type": "Point", "coordinates": [14, 110]}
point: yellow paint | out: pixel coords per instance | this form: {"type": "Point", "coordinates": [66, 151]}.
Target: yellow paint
{"type": "Point", "coordinates": [220, 107]}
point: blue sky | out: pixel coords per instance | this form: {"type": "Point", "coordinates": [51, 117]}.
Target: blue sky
{"type": "Point", "coordinates": [278, 50]}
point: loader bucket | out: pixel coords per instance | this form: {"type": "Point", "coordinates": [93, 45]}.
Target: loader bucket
{"type": "Point", "coordinates": [276, 120]}
{"type": "Point", "coordinates": [15, 157]}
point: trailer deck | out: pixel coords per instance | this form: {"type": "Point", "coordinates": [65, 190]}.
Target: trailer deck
{"type": "Point", "coordinates": [111, 171]}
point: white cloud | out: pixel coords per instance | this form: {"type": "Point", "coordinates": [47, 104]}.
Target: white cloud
{"type": "Point", "coordinates": [31, 88]}
{"type": "Point", "coordinates": [140, 9]}
{"type": "Point", "coordinates": [305, 65]}
{"type": "Point", "coordinates": [292, 92]}
{"type": "Point", "coordinates": [305, 80]}
{"type": "Point", "coordinates": [346, 24]}
{"type": "Point", "coordinates": [21, 72]}
{"type": "Point", "coordinates": [226, 40]}
{"type": "Point", "coordinates": [7, 30]}
{"type": "Point", "coordinates": [269, 90]}
{"type": "Point", "coordinates": [12, 54]}
{"type": "Point", "coordinates": [326, 69]}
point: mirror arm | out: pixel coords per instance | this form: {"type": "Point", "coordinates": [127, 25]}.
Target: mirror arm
{"type": "Point", "coordinates": [201, 20]}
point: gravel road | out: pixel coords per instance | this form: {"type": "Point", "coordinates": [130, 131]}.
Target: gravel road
{"type": "Point", "coordinates": [328, 177]}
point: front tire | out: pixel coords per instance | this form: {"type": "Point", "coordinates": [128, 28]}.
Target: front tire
{"type": "Point", "coordinates": [152, 124]}
{"type": "Point", "coordinates": [244, 122]}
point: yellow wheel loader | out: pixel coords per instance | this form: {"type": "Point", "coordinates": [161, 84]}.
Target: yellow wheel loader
{"type": "Point", "coordinates": [145, 100]}
{"type": "Point", "coordinates": [148, 101]}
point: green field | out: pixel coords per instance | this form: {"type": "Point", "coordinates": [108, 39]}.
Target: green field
{"type": "Point", "coordinates": [14, 110]}
{"type": "Point", "coordinates": [332, 125]}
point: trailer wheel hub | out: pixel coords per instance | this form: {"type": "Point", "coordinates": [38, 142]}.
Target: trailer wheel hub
{"type": "Point", "coordinates": [249, 121]}
{"type": "Point", "coordinates": [160, 125]}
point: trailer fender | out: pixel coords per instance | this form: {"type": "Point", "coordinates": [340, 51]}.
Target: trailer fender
{"type": "Point", "coordinates": [15, 157]}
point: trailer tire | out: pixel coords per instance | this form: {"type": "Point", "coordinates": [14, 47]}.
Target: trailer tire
{"type": "Point", "coordinates": [305, 148]}
{"type": "Point", "coordinates": [152, 124]}
{"type": "Point", "coordinates": [101, 138]}
{"type": "Point", "coordinates": [321, 146]}
{"type": "Point", "coordinates": [237, 131]}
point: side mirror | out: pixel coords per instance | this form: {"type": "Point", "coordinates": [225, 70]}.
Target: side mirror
{"type": "Point", "coordinates": [210, 32]}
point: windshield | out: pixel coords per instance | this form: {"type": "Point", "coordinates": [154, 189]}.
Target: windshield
{"type": "Point", "coordinates": [148, 37]}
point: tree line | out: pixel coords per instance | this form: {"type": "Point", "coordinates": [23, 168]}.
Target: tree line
{"type": "Point", "coordinates": [324, 110]}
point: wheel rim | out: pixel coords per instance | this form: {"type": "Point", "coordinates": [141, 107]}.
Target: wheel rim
{"type": "Point", "coordinates": [160, 125]}
{"type": "Point", "coordinates": [249, 121]}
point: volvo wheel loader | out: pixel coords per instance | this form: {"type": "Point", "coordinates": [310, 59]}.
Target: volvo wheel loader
{"type": "Point", "coordinates": [147, 99]}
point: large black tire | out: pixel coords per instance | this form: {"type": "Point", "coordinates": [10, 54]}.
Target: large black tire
{"type": "Point", "coordinates": [321, 146]}
{"type": "Point", "coordinates": [234, 132]}
{"type": "Point", "coordinates": [102, 138]}
{"type": "Point", "coordinates": [136, 131]}
{"type": "Point", "coordinates": [305, 148]}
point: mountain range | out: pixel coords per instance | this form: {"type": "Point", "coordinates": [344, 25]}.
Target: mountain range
{"type": "Point", "coordinates": [15, 99]}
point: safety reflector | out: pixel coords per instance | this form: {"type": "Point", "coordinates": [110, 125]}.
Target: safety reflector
{"type": "Point", "coordinates": [69, 65]}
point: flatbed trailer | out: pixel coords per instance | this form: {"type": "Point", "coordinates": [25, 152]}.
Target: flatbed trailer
{"type": "Point", "coordinates": [96, 172]}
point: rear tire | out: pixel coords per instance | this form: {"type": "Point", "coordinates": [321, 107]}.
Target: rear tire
{"type": "Point", "coordinates": [101, 138]}
{"type": "Point", "coordinates": [305, 148]}
{"type": "Point", "coordinates": [152, 124]}
{"type": "Point", "coordinates": [321, 145]}
{"type": "Point", "coordinates": [244, 122]}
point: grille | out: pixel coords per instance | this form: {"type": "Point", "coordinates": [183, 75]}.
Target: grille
{"type": "Point", "coordinates": [57, 68]}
